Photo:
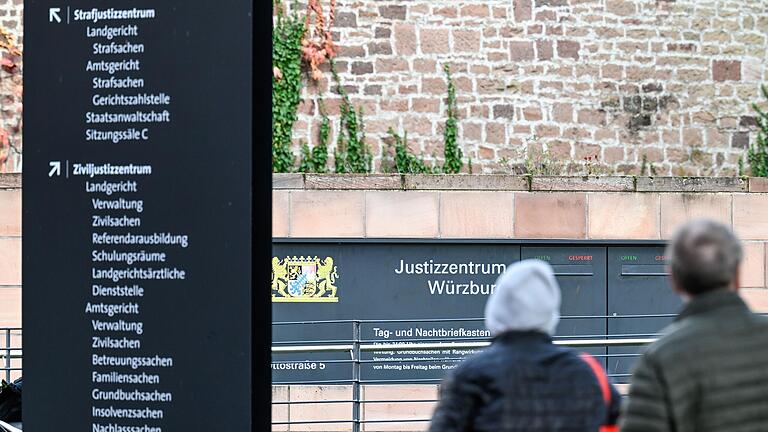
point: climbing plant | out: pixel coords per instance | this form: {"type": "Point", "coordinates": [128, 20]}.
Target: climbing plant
{"type": "Point", "coordinates": [316, 159]}
{"type": "Point", "coordinates": [405, 161]}
{"type": "Point", "coordinates": [740, 166]}
{"type": "Point", "coordinates": [9, 49]}
{"type": "Point", "coordinates": [317, 44]}
{"type": "Point", "coordinates": [287, 34]}
{"type": "Point", "coordinates": [351, 155]}
{"type": "Point", "coordinates": [453, 155]}
{"type": "Point", "coordinates": [309, 38]}
{"type": "Point", "coordinates": [758, 154]}
{"type": "Point", "coordinates": [10, 57]}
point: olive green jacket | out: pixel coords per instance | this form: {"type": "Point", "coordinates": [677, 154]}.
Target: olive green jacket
{"type": "Point", "coordinates": [708, 372]}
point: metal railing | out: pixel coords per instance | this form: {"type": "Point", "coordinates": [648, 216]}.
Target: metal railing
{"type": "Point", "coordinates": [356, 347]}
{"type": "Point", "coordinates": [9, 352]}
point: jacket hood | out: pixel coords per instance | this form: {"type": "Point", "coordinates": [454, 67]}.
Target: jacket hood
{"type": "Point", "coordinates": [526, 298]}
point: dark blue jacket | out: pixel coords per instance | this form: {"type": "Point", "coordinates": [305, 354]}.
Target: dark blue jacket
{"type": "Point", "coordinates": [523, 382]}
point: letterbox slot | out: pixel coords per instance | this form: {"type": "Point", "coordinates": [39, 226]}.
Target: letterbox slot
{"type": "Point", "coordinates": [644, 270]}
{"type": "Point", "coordinates": [573, 270]}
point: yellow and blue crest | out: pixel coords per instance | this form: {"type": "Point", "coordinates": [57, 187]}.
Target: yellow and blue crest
{"type": "Point", "coordinates": [304, 279]}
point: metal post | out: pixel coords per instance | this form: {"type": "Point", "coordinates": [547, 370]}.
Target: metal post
{"type": "Point", "coordinates": [356, 376]}
{"type": "Point", "coordinates": [8, 355]}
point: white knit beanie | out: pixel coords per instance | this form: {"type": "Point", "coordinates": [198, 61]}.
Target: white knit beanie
{"type": "Point", "coordinates": [526, 297]}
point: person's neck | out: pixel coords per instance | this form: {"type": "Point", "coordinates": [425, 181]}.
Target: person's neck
{"type": "Point", "coordinates": [686, 297]}
{"type": "Point", "coordinates": [714, 300]}
{"type": "Point", "coordinates": [515, 335]}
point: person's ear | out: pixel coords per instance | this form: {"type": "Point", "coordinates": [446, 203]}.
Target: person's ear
{"type": "Point", "coordinates": [672, 281]}
{"type": "Point", "coordinates": [677, 288]}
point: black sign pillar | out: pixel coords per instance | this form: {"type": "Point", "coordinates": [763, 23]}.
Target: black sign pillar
{"type": "Point", "coordinates": [137, 216]}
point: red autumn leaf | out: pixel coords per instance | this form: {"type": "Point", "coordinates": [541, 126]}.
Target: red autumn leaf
{"type": "Point", "coordinates": [4, 141]}
{"type": "Point", "coordinates": [7, 64]}
{"type": "Point", "coordinates": [317, 46]}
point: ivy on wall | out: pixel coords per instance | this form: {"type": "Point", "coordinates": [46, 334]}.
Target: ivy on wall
{"type": "Point", "coordinates": [352, 154]}
{"type": "Point", "coordinates": [293, 42]}
{"type": "Point", "coordinates": [758, 154]}
{"type": "Point", "coordinates": [408, 163]}
{"type": "Point", "coordinates": [453, 155]}
{"type": "Point", "coordinates": [405, 161]}
{"type": "Point", "coordinates": [315, 160]}
{"type": "Point", "coordinates": [287, 35]}
{"type": "Point", "coordinates": [10, 57]}
{"type": "Point", "coordinates": [317, 46]}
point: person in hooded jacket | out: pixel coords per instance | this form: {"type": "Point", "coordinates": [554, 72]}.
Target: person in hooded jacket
{"type": "Point", "coordinates": [522, 381]}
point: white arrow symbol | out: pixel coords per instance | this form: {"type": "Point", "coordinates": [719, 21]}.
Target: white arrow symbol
{"type": "Point", "coordinates": [53, 14]}
{"type": "Point", "coordinates": [55, 168]}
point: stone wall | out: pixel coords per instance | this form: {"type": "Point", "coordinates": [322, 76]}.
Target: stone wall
{"type": "Point", "coordinates": [618, 81]}
{"type": "Point", "coordinates": [10, 250]}
{"type": "Point", "coordinates": [500, 206]}
{"type": "Point", "coordinates": [10, 266]}
{"type": "Point", "coordinates": [11, 19]}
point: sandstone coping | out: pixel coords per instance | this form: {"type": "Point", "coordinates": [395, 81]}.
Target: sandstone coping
{"type": "Point", "coordinates": [503, 182]}
{"type": "Point", "coordinates": [11, 181]}
{"type": "Point", "coordinates": [497, 182]}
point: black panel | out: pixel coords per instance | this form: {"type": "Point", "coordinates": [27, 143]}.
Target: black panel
{"type": "Point", "coordinates": [599, 283]}
{"type": "Point", "coordinates": [637, 285]}
{"type": "Point", "coordinates": [137, 174]}
{"type": "Point", "coordinates": [580, 272]}
{"type": "Point", "coordinates": [382, 282]}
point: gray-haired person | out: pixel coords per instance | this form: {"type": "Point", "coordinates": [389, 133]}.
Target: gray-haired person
{"type": "Point", "coordinates": [523, 382]}
{"type": "Point", "coordinates": [709, 370]}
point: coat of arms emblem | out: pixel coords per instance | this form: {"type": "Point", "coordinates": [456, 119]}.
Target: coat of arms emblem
{"type": "Point", "coordinates": [303, 279]}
